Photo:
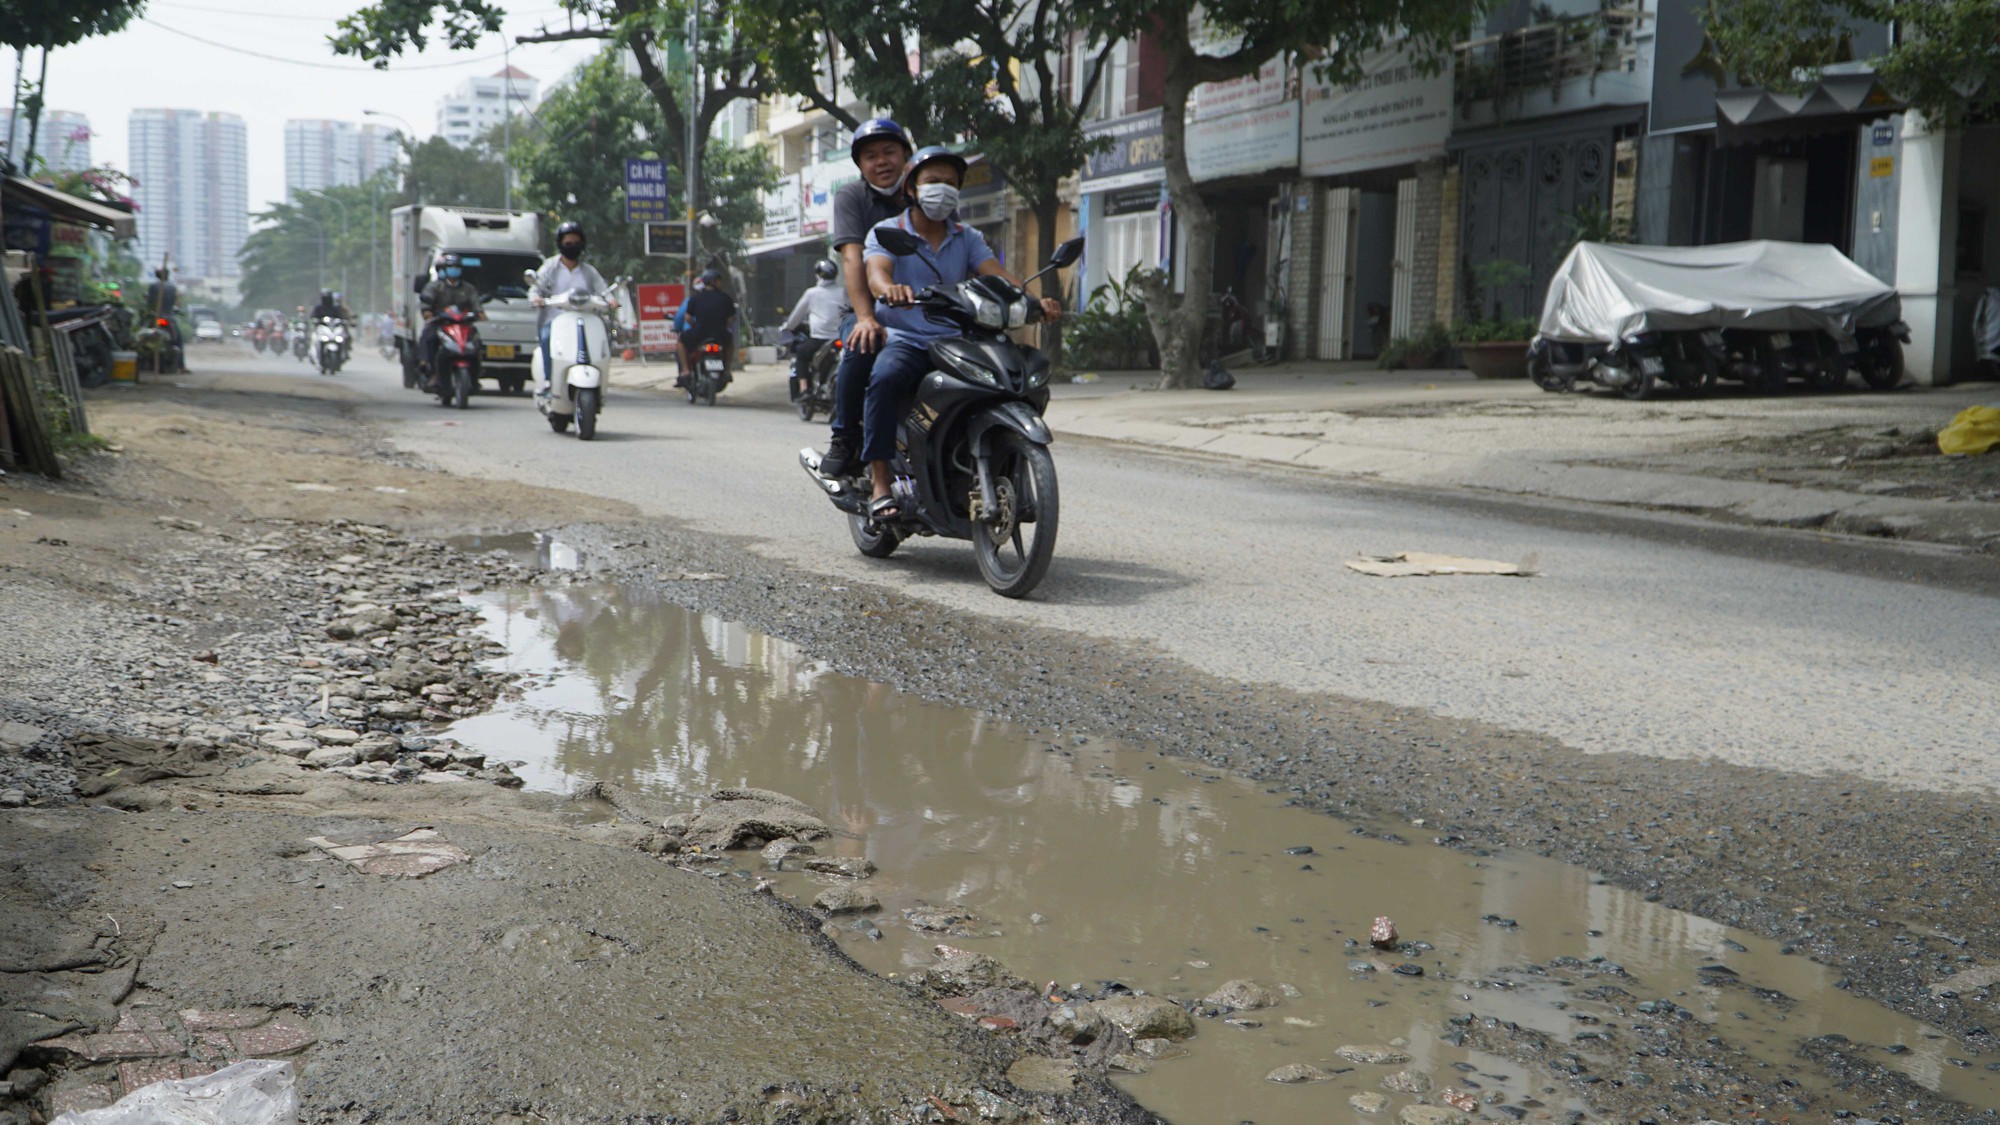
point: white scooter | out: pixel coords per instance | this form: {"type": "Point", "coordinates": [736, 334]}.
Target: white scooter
{"type": "Point", "coordinates": [329, 345]}
{"type": "Point", "coordinates": [579, 346]}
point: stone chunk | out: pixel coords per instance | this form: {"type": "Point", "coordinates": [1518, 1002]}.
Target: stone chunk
{"type": "Point", "coordinates": [1147, 1017]}
{"type": "Point", "coordinates": [1297, 1072]}
{"type": "Point", "coordinates": [851, 867]}
{"type": "Point", "coordinates": [846, 900]}
{"type": "Point", "coordinates": [1244, 995]}
{"type": "Point", "coordinates": [735, 816]}
{"type": "Point", "coordinates": [1432, 1115]}
{"type": "Point", "coordinates": [1368, 1101]}
{"type": "Point", "coordinates": [1373, 1054]}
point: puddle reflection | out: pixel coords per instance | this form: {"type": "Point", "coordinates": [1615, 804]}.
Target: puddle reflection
{"type": "Point", "coordinates": [1146, 870]}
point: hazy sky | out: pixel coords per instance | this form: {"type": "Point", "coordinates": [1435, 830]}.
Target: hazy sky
{"type": "Point", "coordinates": [148, 66]}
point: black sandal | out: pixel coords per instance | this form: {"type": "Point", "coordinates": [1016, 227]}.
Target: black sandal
{"type": "Point", "coordinates": [883, 509]}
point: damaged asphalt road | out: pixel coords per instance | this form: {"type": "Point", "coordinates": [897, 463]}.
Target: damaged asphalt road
{"type": "Point", "coordinates": [489, 989]}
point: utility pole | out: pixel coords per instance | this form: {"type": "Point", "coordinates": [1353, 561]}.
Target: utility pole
{"type": "Point", "coordinates": [507, 119]}
{"type": "Point", "coordinates": [692, 158]}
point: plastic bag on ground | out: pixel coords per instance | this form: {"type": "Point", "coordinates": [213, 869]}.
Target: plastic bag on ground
{"type": "Point", "coordinates": [253, 1092]}
{"type": "Point", "coordinates": [1975, 430]}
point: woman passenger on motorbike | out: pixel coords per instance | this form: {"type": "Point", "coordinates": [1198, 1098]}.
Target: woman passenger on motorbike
{"type": "Point", "coordinates": [956, 251]}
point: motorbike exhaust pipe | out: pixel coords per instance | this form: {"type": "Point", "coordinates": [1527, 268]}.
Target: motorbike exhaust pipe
{"type": "Point", "coordinates": [809, 460]}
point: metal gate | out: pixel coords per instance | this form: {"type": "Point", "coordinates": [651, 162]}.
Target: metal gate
{"type": "Point", "coordinates": [1519, 196]}
{"type": "Point", "coordinates": [1400, 313]}
{"type": "Point", "coordinates": [1336, 274]}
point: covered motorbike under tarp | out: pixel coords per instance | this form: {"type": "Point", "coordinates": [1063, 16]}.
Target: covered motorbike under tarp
{"type": "Point", "coordinates": [1607, 294]}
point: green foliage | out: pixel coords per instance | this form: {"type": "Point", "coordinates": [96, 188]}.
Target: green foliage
{"type": "Point", "coordinates": [1420, 349]}
{"type": "Point", "coordinates": [1945, 61]}
{"type": "Point", "coordinates": [1492, 329]}
{"type": "Point", "coordinates": [1592, 222]}
{"type": "Point", "coordinates": [439, 172]}
{"type": "Point", "coordinates": [281, 258]}
{"type": "Point", "coordinates": [1111, 329]}
{"type": "Point", "coordinates": [1489, 279]}
{"type": "Point", "coordinates": [59, 23]}
{"type": "Point", "coordinates": [381, 31]}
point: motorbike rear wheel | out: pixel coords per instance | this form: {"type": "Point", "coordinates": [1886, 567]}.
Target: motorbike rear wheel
{"type": "Point", "coordinates": [1882, 365]}
{"type": "Point", "coordinates": [1542, 370]}
{"type": "Point", "coordinates": [872, 539]}
{"type": "Point", "coordinates": [559, 423]}
{"type": "Point", "coordinates": [1015, 545]}
{"type": "Point", "coordinates": [705, 390]}
{"type": "Point", "coordinates": [586, 413]}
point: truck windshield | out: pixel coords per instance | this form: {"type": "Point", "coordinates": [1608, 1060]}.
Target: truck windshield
{"type": "Point", "coordinates": [498, 273]}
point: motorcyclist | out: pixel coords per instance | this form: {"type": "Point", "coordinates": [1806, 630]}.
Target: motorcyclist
{"type": "Point", "coordinates": [819, 312]}
{"type": "Point", "coordinates": [881, 150]}
{"type": "Point", "coordinates": [567, 272]}
{"type": "Point", "coordinates": [956, 251]}
{"type": "Point", "coordinates": [710, 319]}
{"type": "Point", "coordinates": [161, 297]}
{"type": "Point", "coordinates": [448, 289]}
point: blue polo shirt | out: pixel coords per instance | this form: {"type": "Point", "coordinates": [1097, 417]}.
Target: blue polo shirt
{"type": "Point", "coordinates": [961, 254]}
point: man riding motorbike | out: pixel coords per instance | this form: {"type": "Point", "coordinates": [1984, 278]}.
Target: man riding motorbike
{"type": "Point", "coordinates": [710, 318]}
{"type": "Point", "coordinates": [161, 297]}
{"type": "Point", "coordinates": [565, 273]}
{"type": "Point", "coordinates": [448, 289]}
{"type": "Point", "coordinates": [329, 304]}
{"type": "Point", "coordinates": [819, 312]}
{"type": "Point", "coordinates": [881, 151]}
{"type": "Point", "coordinates": [956, 252]}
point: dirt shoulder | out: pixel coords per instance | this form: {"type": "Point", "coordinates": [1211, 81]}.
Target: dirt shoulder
{"type": "Point", "coordinates": [229, 646]}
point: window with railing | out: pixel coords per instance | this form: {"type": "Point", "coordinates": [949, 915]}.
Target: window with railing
{"type": "Point", "coordinates": [1546, 56]}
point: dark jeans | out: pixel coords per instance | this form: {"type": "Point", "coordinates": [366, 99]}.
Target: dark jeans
{"type": "Point", "coordinates": [427, 343]}
{"type": "Point", "coordinates": [899, 367]}
{"type": "Point", "coordinates": [802, 360]}
{"type": "Point", "coordinates": [850, 387]}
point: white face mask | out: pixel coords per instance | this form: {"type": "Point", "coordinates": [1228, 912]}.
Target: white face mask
{"type": "Point", "coordinates": [890, 192]}
{"type": "Point", "coordinates": [938, 201]}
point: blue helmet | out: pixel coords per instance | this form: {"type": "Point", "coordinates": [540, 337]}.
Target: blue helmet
{"type": "Point", "coordinates": [877, 127]}
{"type": "Point", "coordinates": [929, 153]}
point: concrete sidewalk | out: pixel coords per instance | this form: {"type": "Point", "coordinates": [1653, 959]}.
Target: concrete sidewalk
{"type": "Point", "coordinates": [1797, 460]}
{"type": "Point", "coordinates": [1856, 463]}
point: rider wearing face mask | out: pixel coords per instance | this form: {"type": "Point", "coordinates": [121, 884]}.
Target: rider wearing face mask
{"type": "Point", "coordinates": [955, 252]}
{"type": "Point", "coordinates": [565, 273]}
{"type": "Point", "coordinates": [881, 151]}
{"type": "Point", "coordinates": [449, 288]}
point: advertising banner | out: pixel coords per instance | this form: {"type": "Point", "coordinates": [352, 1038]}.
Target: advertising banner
{"type": "Point", "coordinates": [1393, 115]}
{"type": "Point", "coordinates": [1137, 155]}
{"type": "Point", "coordinates": [783, 209]}
{"type": "Point", "coordinates": [1240, 144]}
{"type": "Point", "coordinates": [646, 191]}
{"type": "Point", "coordinates": [657, 305]}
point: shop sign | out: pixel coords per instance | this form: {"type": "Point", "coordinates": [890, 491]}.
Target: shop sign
{"type": "Point", "coordinates": [1393, 115]}
{"type": "Point", "coordinates": [1137, 155]}
{"type": "Point", "coordinates": [1267, 85]}
{"type": "Point", "coordinates": [1132, 200]}
{"type": "Point", "coordinates": [821, 182]}
{"type": "Point", "coordinates": [646, 191]}
{"type": "Point", "coordinates": [1881, 167]}
{"type": "Point", "coordinates": [782, 210]}
{"type": "Point", "coordinates": [657, 305]}
{"type": "Point", "coordinates": [27, 228]}
{"type": "Point", "coordinates": [1241, 144]}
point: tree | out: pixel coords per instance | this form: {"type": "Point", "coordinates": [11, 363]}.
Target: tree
{"type": "Point", "coordinates": [1332, 36]}
{"type": "Point", "coordinates": [281, 259]}
{"type": "Point", "coordinates": [1944, 62]}
{"type": "Point", "coordinates": [994, 77]}
{"type": "Point", "coordinates": [49, 24]}
{"type": "Point", "coordinates": [732, 65]}
{"type": "Point", "coordinates": [440, 172]}
{"type": "Point", "coordinates": [571, 166]}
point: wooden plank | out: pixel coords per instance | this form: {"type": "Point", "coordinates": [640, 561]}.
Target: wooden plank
{"type": "Point", "coordinates": [23, 390]}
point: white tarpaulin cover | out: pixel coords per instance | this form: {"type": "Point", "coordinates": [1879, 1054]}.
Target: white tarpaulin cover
{"type": "Point", "coordinates": [1606, 293]}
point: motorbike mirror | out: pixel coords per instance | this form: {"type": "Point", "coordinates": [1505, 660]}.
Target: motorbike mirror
{"type": "Point", "coordinates": [528, 276]}
{"type": "Point", "coordinates": [1067, 254]}
{"type": "Point", "coordinates": [898, 241]}
{"type": "Point", "coordinates": [417, 284]}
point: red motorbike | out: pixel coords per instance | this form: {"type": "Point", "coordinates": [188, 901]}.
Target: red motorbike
{"type": "Point", "coordinates": [256, 337]}
{"type": "Point", "coordinates": [458, 357]}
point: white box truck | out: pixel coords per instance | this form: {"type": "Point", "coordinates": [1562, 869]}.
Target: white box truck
{"type": "Point", "coordinates": [495, 246]}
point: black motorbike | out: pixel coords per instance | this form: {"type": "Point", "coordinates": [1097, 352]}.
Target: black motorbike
{"type": "Point", "coordinates": [973, 452]}
{"type": "Point", "coordinates": [816, 397]}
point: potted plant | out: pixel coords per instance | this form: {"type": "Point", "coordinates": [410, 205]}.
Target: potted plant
{"type": "Point", "coordinates": [1493, 344]}
{"type": "Point", "coordinates": [1417, 350]}
{"type": "Point", "coordinates": [1495, 348]}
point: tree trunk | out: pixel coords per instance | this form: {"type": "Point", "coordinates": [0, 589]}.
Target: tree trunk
{"type": "Point", "coordinates": [1046, 211]}
{"type": "Point", "coordinates": [1180, 347]}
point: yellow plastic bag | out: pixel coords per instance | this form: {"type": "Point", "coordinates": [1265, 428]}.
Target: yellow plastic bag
{"type": "Point", "coordinates": [1975, 430]}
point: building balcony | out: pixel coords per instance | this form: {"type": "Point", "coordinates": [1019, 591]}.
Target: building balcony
{"type": "Point", "coordinates": [1556, 65]}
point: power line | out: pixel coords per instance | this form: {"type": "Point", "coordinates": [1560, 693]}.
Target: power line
{"type": "Point", "coordinates": [316, 63]}
{"type": "Point", "coordinates": [250, 14]}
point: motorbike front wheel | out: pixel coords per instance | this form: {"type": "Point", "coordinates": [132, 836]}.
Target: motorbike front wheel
{"type": "Point", "coordinates": [461, 386]}
{"type": "Point", "coordinates": [586, 413]}
{"type": "Point", "coordinates": [1015, 545]}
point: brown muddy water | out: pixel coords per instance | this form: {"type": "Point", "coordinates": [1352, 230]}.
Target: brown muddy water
{"type": "Point", "coordinates": [1086, 862]}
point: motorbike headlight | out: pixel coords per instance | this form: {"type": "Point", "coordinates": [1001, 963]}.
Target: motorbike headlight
{"type": "Point", "coordinates": [1039, 369]}
{"type": "Point", "coordinates": [1017, 312]}
{"type": "Point", "coordinates": [986, 311]}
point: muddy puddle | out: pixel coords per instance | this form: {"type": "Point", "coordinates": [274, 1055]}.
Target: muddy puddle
{"type": "Point", "coordinates": [1085, 862]}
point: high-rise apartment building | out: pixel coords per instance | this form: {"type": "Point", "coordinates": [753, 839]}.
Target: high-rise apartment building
{"type": "Point", "coordinates": [62, 140]}
{"type": "Point", "coordinates": [321, 153]}
{"type": "Point", "coordinates": [468, 112]}
{"type": "Point", "coordinates": [193, 191]}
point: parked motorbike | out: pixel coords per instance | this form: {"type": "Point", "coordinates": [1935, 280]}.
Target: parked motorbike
{"type": "Point", "coordinates": [458, 357]}
{"type": "Point", "coordinates": [93, 332]}
{"type": "Point", "coordinates": [158, 354]}
{"type": "Point", "coordinates": [301, 345]}
{"type": "Point", "coordinates": [329, 345]}
{"type": "Point", "coordinates": [817, 395]}
{"type": "Point", "coordinates": [973, 459]}
{"type": "Point", "coordinates": [579, 342]}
